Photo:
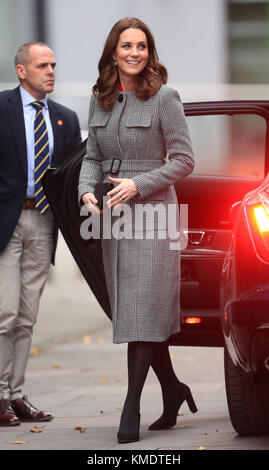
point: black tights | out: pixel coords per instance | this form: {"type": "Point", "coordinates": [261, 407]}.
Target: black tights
{"type": "Point", "coordinates": [142, 355]}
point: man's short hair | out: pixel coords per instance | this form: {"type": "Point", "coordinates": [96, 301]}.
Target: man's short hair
{"type": "Point", "coordinates": [22, 55]}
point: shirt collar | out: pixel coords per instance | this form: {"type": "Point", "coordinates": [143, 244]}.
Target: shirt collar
{"type": "Point", "coordinates": [27, 99]}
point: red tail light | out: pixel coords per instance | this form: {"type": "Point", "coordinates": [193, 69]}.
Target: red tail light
{"type": "Point", "coordinates": [262, 219]}
{"type": "Point", "coordinates": [193, 320]}
{"type": "Point", "coordinates": [259, 222]}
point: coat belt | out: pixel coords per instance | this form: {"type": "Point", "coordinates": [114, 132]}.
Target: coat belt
{"type": "Point", "coordinates": [133, 165]}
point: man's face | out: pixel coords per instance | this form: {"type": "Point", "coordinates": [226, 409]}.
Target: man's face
{"type": "Point", "coordinates": [37, 75]}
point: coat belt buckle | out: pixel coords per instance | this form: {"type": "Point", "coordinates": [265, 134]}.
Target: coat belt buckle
{"type": "Point", "coordinates": [115, 166]}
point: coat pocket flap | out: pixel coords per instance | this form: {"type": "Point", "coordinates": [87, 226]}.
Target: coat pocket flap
{"type": "Point", "coordinates": [135, 120]}
{"type": "Point", "coordinates": [99, 121]}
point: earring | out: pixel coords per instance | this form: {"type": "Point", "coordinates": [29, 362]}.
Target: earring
{"type": "Point", "coordinates": [115, 62]}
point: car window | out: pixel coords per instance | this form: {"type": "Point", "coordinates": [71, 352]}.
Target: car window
{"type": "Point", "coordinates": [227, 145]}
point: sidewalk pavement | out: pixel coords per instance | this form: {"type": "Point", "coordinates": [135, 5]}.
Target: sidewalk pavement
{"type": "Point", "coordinates": [80, 376]}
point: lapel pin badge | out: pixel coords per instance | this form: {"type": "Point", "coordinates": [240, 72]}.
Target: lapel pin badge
{"type": "Point", "coordinates": [60, 122]}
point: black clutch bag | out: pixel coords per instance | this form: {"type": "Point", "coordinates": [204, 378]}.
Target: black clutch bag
{"type": "Point", "coordinates": [101, 190]}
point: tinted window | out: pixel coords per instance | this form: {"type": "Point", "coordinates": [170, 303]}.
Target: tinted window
{"type": "Point", "coordinates": [229, 145]}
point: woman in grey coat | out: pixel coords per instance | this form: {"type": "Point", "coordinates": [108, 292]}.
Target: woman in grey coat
{"type": "Point", "coordinates": [138, 140]}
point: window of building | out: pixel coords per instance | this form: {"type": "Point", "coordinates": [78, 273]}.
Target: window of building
{"type": "Point", "coordinates": [248, 30]}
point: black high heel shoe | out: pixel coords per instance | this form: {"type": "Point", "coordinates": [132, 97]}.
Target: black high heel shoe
{"type": "Point", "coordinates": [169, 419]}
{"type": "Point", "coordinates": [125, 437]}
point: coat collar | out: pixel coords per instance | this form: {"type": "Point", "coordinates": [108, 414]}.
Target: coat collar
{"type": "Point", "coordinates": [57, 123]}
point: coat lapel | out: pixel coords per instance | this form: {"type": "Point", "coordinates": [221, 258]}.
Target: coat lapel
{"type": "Point", "coordinates": [15, 111]}
{"type": "Point", "coordinates": [58, 131]}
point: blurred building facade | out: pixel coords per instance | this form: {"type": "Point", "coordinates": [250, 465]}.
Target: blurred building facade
{"type": "Point", "coordinates": [203, 43]}
{"type": "Point", "coordinates": [191, 39]}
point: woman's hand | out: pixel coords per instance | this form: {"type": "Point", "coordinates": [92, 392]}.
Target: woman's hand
{"type": "Point", "coordinates": [90, 201]}
{"type": "Point", "coordinates": [124, 191]}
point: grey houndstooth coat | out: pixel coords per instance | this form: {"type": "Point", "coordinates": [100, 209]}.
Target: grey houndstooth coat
{"type": "Point", "coordinates": [142, 272]}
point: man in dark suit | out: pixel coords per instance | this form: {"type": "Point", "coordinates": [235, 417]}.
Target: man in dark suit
{"type": "Point", "coordinates": [35, 134]}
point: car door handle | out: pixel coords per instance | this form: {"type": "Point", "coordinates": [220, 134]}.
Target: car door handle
{"type": "Point", "coordinates": [196, 237]}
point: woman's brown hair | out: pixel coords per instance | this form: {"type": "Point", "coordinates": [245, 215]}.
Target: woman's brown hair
{"type": "Point", "coordinates": [149, 80]}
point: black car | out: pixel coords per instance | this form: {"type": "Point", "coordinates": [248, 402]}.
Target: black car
{"type": "Point", "coordinates": [244, 303]}
{"type": "Point", "coordinates": [224, 288]}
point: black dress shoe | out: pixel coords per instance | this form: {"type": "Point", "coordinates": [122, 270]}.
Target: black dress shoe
{"type": "Point", "coordinates": [27, 412]}
{"type": "Point", "coordinates": [169, 417]}
{"type": "Point", "coordinates": [7, 414]}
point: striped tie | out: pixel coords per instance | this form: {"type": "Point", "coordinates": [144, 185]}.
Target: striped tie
{"type": "Point", "coordinates": [42, 156]}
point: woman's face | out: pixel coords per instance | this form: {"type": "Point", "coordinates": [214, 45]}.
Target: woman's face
{"type": "Point", "coordinates": [131, 53]}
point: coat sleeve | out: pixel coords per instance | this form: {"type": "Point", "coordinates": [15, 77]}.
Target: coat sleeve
{"type": "Point", "coordinates": [177, 143]}
{"type": "Point", "coordinates": [91, 170]}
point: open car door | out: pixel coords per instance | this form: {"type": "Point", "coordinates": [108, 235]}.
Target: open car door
{"type": "Point", "coordinates": [61, 186]}
{"type": "Point", "coordinates": [230, 141]}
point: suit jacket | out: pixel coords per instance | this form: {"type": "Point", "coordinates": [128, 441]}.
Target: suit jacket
{"type": "Point", "coordinates": [13, 155]}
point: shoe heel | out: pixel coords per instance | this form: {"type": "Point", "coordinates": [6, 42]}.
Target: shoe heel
{"type": "Point", "coordinates": [191, 403]}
